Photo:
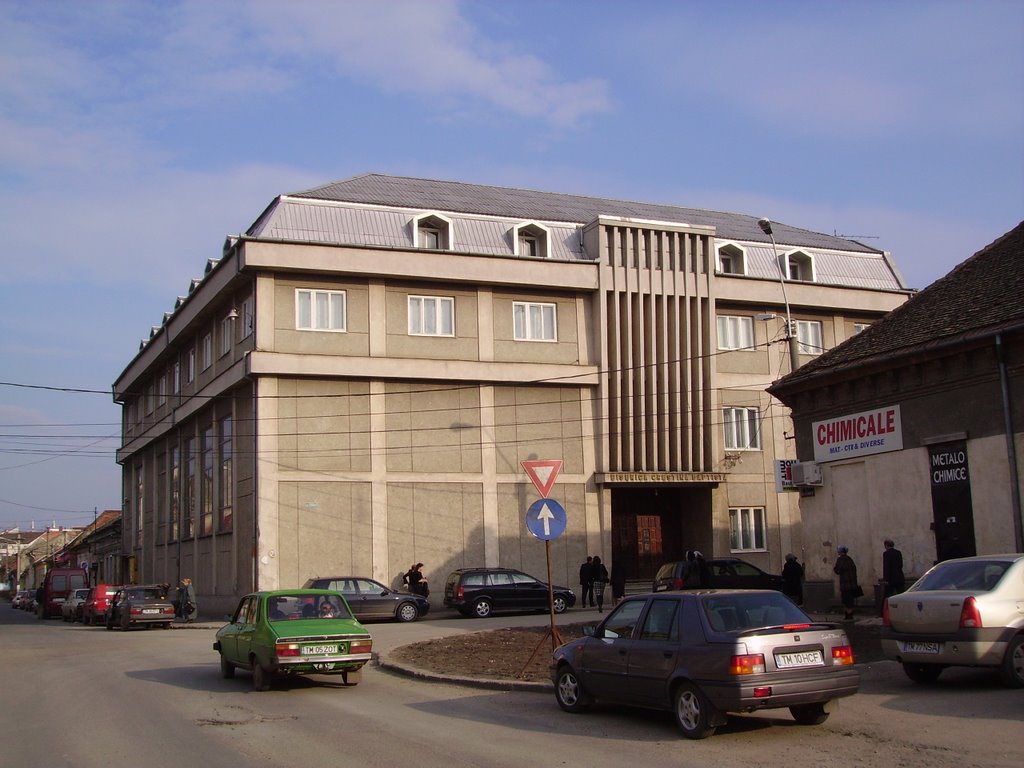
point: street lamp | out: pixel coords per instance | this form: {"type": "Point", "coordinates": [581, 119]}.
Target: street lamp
{"type": "Point", "coordinates": [794, 352]}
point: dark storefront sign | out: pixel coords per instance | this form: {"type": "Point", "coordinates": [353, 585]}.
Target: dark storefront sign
{"type": "Point", "coordinates": [952, 511]}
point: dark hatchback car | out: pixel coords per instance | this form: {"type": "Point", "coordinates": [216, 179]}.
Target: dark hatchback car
{"type": "Point", "coordinates": [479, 591]}
{"type": "Point", "coordinates": [723, 573]}
{"type": "Point", "coordinates": [703, 653]}
{"type": "Point", "coordinates": [140, 606]}
{"type": "Point", "coordinates": [369, 599]}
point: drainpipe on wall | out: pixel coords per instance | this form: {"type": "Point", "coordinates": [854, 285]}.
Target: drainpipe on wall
{"type": "Point", "coordinates": [1011, 449]}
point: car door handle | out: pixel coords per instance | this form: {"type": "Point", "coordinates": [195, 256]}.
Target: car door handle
{"type": "Point", "coordinates": [667, 654]}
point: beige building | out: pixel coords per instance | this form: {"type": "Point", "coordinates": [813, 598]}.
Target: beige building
{"type": "Point", "coordinates": [915, 428]}
{"type": "Point", "coordinates": [353, 385]}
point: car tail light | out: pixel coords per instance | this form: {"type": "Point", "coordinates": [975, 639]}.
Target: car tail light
{"type": "Point", "coordinates": [886, 621]}
{"type": "Point", "coordinates": [287, 649]}
{"type": "Point", "coordinates": [461, 593]}
{"type": "Point", "coordinates": [135, 611]}
{"type": "Point", "coordinates": [762, 692]}
{"type": "Point", "coordinates": [677, 583]}
{"type": "Point", "coordinates": [970, 617]}
{"type": "Point", "coordinates": [360, 646]}
{"type": "Point", "coordinates": [792, 627]}
{"type": "Point", "coordinates": [842, 655]}
{"type": "Point", "coordinates": [747, 664]}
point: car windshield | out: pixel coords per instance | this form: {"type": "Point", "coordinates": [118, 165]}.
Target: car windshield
{"type": "Point", "coordinates": [150, 594]}
{"type": "Point", "coordinates": [298, 606]}
{"type": "Point", "coordinates": [967, 575]}
{"type": "Point", "coordinates": [727, 613]}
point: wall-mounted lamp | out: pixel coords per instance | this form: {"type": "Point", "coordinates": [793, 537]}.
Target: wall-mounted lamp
{"type": "Point", "coordinates": [233, 314]}
{"type": "Point", "coordinates": [794, 353]}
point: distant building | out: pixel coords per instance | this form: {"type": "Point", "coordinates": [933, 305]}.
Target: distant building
{"type": "Point", "coordinates": [354, 384]}
{"type": "Point", "coordinates": [916, 426]}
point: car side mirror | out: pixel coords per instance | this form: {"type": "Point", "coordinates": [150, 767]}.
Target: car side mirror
{"type": "Point", "coordinates": [590, 630]}
{"type": "Point", "coordinates": [384, 593]}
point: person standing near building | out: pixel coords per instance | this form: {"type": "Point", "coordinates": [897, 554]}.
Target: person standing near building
{"type": "Point", "coordinates": [587, 583]}
{"type": "Point", "coordinates": [793, 579]}
{"type": "Point", "coordinates": [599, 580]}
{"type": "Point", "coordinates": [417, 582]}
{"type": "Point", "coordinates": [187, 599]}
{"type": "Point", "coordinates": [849, 589]}
{"type": "Point", "coordinates": [892, 569]}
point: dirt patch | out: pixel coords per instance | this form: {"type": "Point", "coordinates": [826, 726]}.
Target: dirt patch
{"type": "Point", "coordinates": [504, 654]}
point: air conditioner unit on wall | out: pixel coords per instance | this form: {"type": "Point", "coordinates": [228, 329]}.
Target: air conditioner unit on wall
{"type": "Point", "coordinates": [806, 473]}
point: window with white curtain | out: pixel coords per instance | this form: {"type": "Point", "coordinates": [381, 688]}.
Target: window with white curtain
{"type": "Point", "coordinates": [808, 333]}
{"type": "Point", "coordinates": [746, 529]}
{"type": "Point", "coordinates": [533, 321]}
{"type": "Point", "coordinates": [431, 316]}
{"type": "Point", "coordinates": [319, 310]}
{"type": "Point", "coordinates": [742, 428]}
{"type": "Point", "coordinates": [735, 332]}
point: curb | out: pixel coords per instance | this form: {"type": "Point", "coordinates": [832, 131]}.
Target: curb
{"type": "Point", "coordinates": [496, 684]}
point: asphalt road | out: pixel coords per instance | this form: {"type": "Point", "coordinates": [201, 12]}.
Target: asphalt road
{"type": "Point", "coordinates": [84, 697]}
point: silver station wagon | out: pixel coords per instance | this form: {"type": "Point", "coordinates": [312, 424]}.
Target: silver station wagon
{"type": "Point", "coordinates": [967, 612]}
{"type": "Point", "coordinates": [701, 654]}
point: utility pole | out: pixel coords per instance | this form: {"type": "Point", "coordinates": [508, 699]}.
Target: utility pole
{"type": "Point", "coordinates": [791, 339]}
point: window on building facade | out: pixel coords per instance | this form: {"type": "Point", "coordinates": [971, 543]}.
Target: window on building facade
{"type": "Point", "coordinates": [248, 318]}
{"type": "Point", "coordinates": [227, 333]}
{"type": "Point", "coordinates": [860, 327]}
{"type": "Point", "coordinates": [140, 496]}
{"type": "Point", "coordinates": [747, 529]}
{"type": "Point", "coordinates": [207, 351]}
{"type": "Point", "coordinates": [732, 260]}
{"type": "Point", "coordinates": [319, 310]}
{"type": "Point", "coordinates": [174, 508]}
{"type": "Point", "coordinates": [808, 333]}
{"type": "Point", "coordinates": [531, 240]}
{"type": "Point", "coordinates": [150, 398]}
{"type": "Point", "coordinates": [431, 316]}
{"type": "Point", "coordinates": [225, 486]}
{"type": "Point", "coordinates": [735, 332]}
{"type": "Point", "coordinates": [206, 487]}
{"type": "Point", "coordinates": [188, 512]}
{"type": "Point", "coordinates": [742, 429]}
{"type": "Point", "coordinates": [432, 232]}
{"type": "Point", "coordinates": [161, 496]}
{"type": "Point", "coordinates": [190, 366]}
{"type": "Point", "coordinates": [799, 266]}
{"type": "Point", "coordinates": [161, 390]}
{"type": "Point", "coordinates": [533, 321]}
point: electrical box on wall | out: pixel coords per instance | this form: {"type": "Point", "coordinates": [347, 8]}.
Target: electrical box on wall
{"type": "Point", "coordinates": [806, 473]}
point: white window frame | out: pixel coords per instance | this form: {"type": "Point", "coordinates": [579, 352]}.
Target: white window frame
{"type": "Point", "coordinates": [432, 223]}
{"type": "Point", "coordinates": [737, 257]}
{"type": "Point", "coordinates": [176, 378]}
{"type": "Point", "coordinates": [534, 321]}
{"type": "Point", "coordinates": [190, 366]}
{"type": "Point", "coordinates": [248, 318]}
{"type": "Point", "coordinates": [431, 315]}
{"type": "Point", "coordinates": [207, 351]}
{"type": "Point", "coordinates": [308, 310]}
{"type": "Point", "coordinates": [747, 529]}
{"type": "Point", "coordinates": [742, 428]}
{"type": "Point", "coordinates": [860, 327]}
{"type": "Point", "coordinates": [161, 389]}
{"type": "Point", "coordinates": [799, 266]}
{"type": "Point", "coordinates": [736, 332]}
{"type": "Point", "coordinates": [531, 232]}
{"type": "Point", "coordinates": [227, 332]}
{"type": "Point", "coordinates": [809, 335]}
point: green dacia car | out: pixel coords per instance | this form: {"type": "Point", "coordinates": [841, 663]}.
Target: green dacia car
{"type": "Point", "coordinates": [293, 632]}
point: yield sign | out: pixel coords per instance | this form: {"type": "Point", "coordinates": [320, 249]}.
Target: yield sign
{"type": "Point", "coordinates": [542, 473]}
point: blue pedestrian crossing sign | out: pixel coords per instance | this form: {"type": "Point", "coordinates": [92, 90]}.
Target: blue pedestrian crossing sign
{"type": "Point", "coordinates": [545, 519]}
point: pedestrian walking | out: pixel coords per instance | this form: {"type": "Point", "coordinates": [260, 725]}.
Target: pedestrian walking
{"type": "Point", "coordinates": [793, 579]}
{"type": "Point", "coordinates": [599, 575]}
{"type": "Point", "coordinates": [892, 569]}
{"type": "Point", "coordinates": [187, 600]}
{"type": "Point", "coordinates": [849, 588]}
{"type": "Point", "coordinates": [587, 583]}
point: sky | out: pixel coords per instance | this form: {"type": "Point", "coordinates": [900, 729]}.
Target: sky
{"type": "Point", "coordinates": [136, 136]}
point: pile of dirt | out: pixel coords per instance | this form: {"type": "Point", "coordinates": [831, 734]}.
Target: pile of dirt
{"type": "Point", "coordinates": [504, 654]}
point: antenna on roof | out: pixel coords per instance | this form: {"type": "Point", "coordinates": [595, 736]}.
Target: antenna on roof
{"type": "Point", "coordinates": [855, 237]}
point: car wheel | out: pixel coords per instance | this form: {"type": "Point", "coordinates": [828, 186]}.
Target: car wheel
{"type": "Point", "coordinates": [693, 712]}
{"type": "Point", "coordinates": [1012, 671]}
{"type": "Point", "coordinates": [569, 692]}
{"type": "Point", "coordinates": [922, 673]}
{"type": "Point", "coordinates": [482, 608]}
{"type": "Point", "coordinates": [559, 604]}
{"type": "Point", "coordinates": [407, 612]}
{"type": "Point", "coordinates": [227, 669]}
{"type": "Point", "coordinates": [809, 714]}
{"type": "Point", "coordinates": [260, 676]}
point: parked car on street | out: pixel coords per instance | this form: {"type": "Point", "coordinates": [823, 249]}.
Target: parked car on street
{"type": "Point", "coordinates": [140, 606]}
{"type": "Point", "coordinates": [57, 585]}
{"type": "Point", "coordinates": [71, 609]}
{"type": "Point", "coordinates": [723, 573]}
{"type": "Point", "coordinates": [966, 612]}
{"type": "Point", "coordinates": [701, 654]}
{"type": "Point", "coordinates": [369, 599]}
{"type": "Point", "coordinates": [293, 632]}
{"type": "Point", "coordinates": [479, 591]}
{"type": "Point", "coordinates": [21, 598]}
{"type": "Point", "coordinates": [94, 608]}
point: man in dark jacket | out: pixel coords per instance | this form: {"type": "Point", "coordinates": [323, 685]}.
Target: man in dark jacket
{"type": "Point", "coordinates": [587, 583]}
{"type": "Point", "coordinates": [892, 569]}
